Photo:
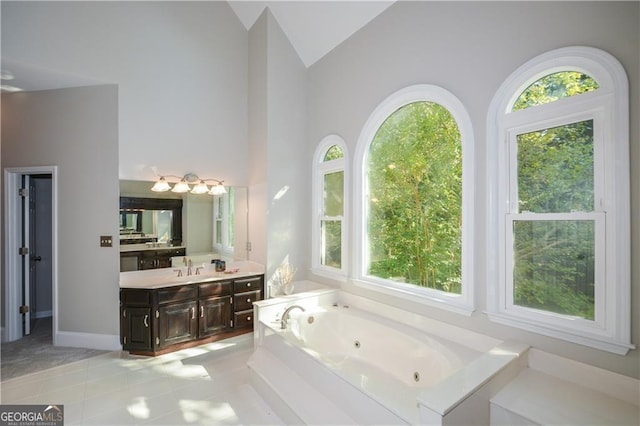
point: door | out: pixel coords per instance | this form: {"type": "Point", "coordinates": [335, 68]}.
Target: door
{"type": "Point", "coordinates": [214, 315]}
{"type": "Point", "coordinates": [17, 259]}
{"type": "Point", "coordinates": [177, 323]}
{"type": "Point", "coordinates": [40, 249]}
{"type": "Point", "coordinates": [136, 328]}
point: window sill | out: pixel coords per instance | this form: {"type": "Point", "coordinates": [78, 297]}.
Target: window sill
{"type": "Point", "coordinates": [335, 275]}
{"type": "Point", "coordinates": [581, 337]}
{"type": "Point", "coordinates": [428, 297]}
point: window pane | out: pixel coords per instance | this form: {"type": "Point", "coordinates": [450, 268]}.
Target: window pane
{"type": "Point", "coordinates": [555, 169]}
{"type": "Point", "coordinates": [554, 266]}
{"type": "Point", "coordinates": [231, 218]}
{"type": "Point", "coordinates": [333, 194]}
{"type": "Point", "coordinates": [553, 87]}
{"type": "Point", "coordinates": [415, 198]}
{"type": "Point", "coordinates": [331, 255]}
{"type": "Point", "coordinates": [333, 153]}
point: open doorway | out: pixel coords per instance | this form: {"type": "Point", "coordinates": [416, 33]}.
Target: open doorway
{"type": "Point", "coordinates": [30, 253]}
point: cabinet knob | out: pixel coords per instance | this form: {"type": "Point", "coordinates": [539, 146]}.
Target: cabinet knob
{"type": "Point", "coordinates": [248, 318]}
{"type": "Point", "coordinates": [248, 284]}
{"type": "Point", "coordinates": [248, 299]}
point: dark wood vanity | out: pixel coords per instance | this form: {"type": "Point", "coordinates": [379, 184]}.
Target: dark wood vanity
{"type": "Point", "coordinates": [158, 320]}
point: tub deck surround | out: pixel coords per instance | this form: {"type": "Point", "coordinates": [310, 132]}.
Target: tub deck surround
{"type": "Point", "coordinates": [556, 390]}
{"type": "Point", "coordinates": [167, 277]}
{"type": "Point", "coordinates": [408, 376]}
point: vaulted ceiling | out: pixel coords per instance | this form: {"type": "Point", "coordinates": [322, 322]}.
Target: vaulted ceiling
{"type": "Point", "coordinates": [314, 28]}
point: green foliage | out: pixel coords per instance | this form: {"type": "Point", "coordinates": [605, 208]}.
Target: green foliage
{"type": "Point", "coordinates": [332, 235]}
{"type": "Point", "coordinates": [553, 87]}
{"type": "Point", "coordinates": [415, 198]}
{"type": "Point", "coordinates": [555, 169]}
{"type": "Point", "coordinates": [333, 153]}
{"type": "Point", "coordinates": [554, 266]}
{"type": "Point", "coordinates": [554, 260]}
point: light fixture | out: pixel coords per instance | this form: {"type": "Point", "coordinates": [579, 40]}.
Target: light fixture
{"type": "Point", "coordinates": [218, 189]}
{"type": "Point", "coordinates": [161, 185]}
{"type": "Point", "coordinates": [181, 186]}
{"type": "Point", "coordinates": [200, 188]}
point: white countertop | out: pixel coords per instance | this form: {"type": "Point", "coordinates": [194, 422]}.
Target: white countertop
{"type": "Point", "coordinates": [124, 248]}
{"type": "Point", "coordinates": [168, 277]}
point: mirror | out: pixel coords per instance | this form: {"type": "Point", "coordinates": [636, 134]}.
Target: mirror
{"type": "Point", "coordinates": [201, 224]}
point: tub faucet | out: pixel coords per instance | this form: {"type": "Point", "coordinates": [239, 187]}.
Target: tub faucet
{"type": "Point", "coordinates": [189, 267]}
{"type": "Point", "coordinates": [285, 315]}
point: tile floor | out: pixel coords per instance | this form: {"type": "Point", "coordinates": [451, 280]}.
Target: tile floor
{"type": "Point", "coordinates": [209, 384]}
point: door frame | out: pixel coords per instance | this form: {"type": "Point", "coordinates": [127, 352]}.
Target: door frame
{"type": "Point", "coordinates": [12, 240]}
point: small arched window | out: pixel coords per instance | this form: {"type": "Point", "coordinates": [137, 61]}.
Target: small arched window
{"type": "Point", "coordinates": [329, 206]}
{"type": "Point", "coordinates": [558, 230]}
{"type": "Point", "coordinates": [414, 159]}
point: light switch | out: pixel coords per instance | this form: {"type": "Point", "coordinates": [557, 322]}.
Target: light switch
{"type": "Point", "coordinates": [106, 241]}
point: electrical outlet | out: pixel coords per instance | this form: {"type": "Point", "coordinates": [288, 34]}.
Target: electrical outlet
{"type": "Point", "coordinates": [106, 241]}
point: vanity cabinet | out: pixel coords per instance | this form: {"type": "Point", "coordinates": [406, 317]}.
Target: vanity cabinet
{"type": "Point", "coordinates": [149, 258]}
{"type": "Point", "coordinates": [160, 320]}
{"type": "Point", "coordinates": [246, 291]}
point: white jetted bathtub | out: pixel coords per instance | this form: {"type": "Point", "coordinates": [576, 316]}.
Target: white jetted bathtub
{"type": "Point", "coordinates": [337, 362]}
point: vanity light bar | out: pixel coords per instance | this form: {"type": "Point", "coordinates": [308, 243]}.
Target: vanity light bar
{"type": "Point", "coordinates": [182, 186]}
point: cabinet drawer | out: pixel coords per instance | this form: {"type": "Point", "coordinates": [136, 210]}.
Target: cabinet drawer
{"type": "Point", "coordinates": [243, 319]}
{"type": "Point", "coordinates": [135, 297]}
{"type": "Point", "coordinates": [176, 294]}
{"type": "Point", "coordinates": [218, 288]}
{"type": "Point", "coordinates": [247, 284]}
{"type": "Point", "coordinates": [244, 301]}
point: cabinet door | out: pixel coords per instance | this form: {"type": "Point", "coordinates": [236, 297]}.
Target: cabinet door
{"type": "Point", "coordinates": [215, 315]}
{"type": "Point", "coordinates": [136, 328]}
{"type": "Point", "coordinates": [129, 262]}
{"type": "Point", "coordinates": [148, 260]}
{"type": "Point", "coordinates": [248, 284]}
{"type": "Point", "coordinates": [243, 319]}
{"type": "Point", "coordinates": [177, 323]}
{"type": "Point", "coordinates": [244, 301]}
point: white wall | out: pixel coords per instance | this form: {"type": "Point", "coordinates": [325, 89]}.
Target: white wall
{"type": "Point", "coordinates": [258, 139]}
{"type": "Point", "coordinates": [289, 174]}
{"type": "Point", "coordinates": [76, 130]}
{"type": "Point", "coordinates": [470, 48]}
{"type": "Point", "coordinates": [279, 153]}
{"type": "Point", "coordinates": [181, 68]}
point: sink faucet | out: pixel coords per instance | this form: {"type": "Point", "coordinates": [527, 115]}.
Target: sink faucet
{"type": "Point", "coordinates": [285, 315]}
{"type": "Point", "coordinates": [190, 264]}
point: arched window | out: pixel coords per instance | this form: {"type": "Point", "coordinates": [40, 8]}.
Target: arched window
{"type": "Point", "coordinates": [329, 234]}
{"type": "Point", "coordinates": [413, 163]}
{"type": "Point", "coordinates": [559, 224]}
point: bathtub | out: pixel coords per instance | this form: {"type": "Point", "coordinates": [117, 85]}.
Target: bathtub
{"type": "Point", "coordinates": [357, 367]}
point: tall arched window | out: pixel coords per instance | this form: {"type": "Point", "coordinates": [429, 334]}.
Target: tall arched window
{"type": "Point", "coordinates": [413, 169]}
{"type": "Point", "coordinates": [559, 223]}
{"type": "Point", "coordinates": [329, 234]}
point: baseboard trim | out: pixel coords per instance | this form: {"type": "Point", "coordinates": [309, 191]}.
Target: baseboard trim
{"type": "Point", "coordinates": [105, 342]}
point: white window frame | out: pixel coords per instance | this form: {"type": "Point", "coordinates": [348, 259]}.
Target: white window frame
{"type": "Point", "coordinates": [608, 106]}
{"type": "Point", "coordinates": [226, 248]}
{"type": "Point", "coordinates": [320, 169]}
{"type": "Point", "coordinates": [460, 303]}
